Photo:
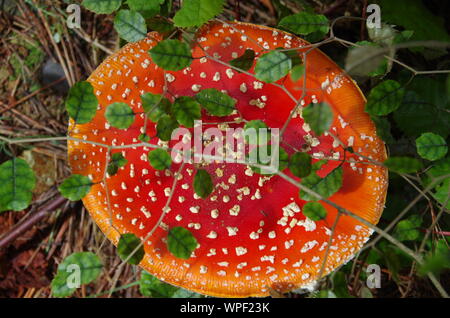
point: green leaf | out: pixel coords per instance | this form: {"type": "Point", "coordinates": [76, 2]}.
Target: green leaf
{"type": "Point", "coordinates": [300, 164]}
{"type": "Point", "coordinates": [128, 243]}
{"type": "Point", "coordinates": [440, 168]}
{"type": "Point", "coordinates": [155, 106]}
{"type": "Point", "coordinates": [385, 98]}
{"type": "Point", "coordinates": [76, 269]}
{"type": "Point", "coordinates": [431, 146]}
{"type": "Point", "coordinates": [325, 187]}
{"type": "Point", "coordinates": [403, 164]}
{"type": "Point", "coordinates": [316, 166]}
{"type": "Point", "coordinates": [406, 12]}
{"type": "Point", "coordinates": [340, 287]}
{"type": "Point", "coordinates": [76, 187]}
{"type": "Point", "coordinates": [148, 8]}
{"type": "Point", "coordinates": [319, 117]}
{"type": "Point", "coordinates": [144, 137]}
{"type": "Point", "coordinates": [253, 133]}
{"type": "Point", "coordinates": [305, 23]}
{"type": "Point", "coordinates": [17, 182]}
{"type": "Point", "coordinates": [272, 66]}
{"type": "Point", "coordinates": [171, 55]}
{"type": "Point", "coordinates": [160, 24]}
{"type": "Point", "coordinates": [181, 243]}
{"type": "Point", "coordinates": [383, 128]}
{"type": "Point", "coordinates": [324, 293]}
{"type": "Point", "coordinates": [297, 72]}
{"type": "Point", "coordinates": [442, 194]}
{"type": "Point", "coordinates": [216, 102]}
{"type": "Point", "coordinates": [117, 161]}
{"type": "Point", "coordinates": [245, 61]}
{"type": "Point", "coordinates": [197, 12]}
{"type": "Point", "coordinates": [295, 56]}
{"type": "Point", "coordinates": [150, 286]}
{"type": "Point", "coordinates": [392, 258]}
{"type": "Point", "coordinates": [166, 125]}
{"type": "Point", "coordinates": [437, 260]}
{"type": "Point", "coordinates": [186, 110]}
{"type": "Point", "coordinates": [314, 211]}
{"type": "Point", "coordinates": [203, 184]}
{"type": "Point", "coordinates": [59, 286]}
{"type": "Point", "coordinates": [365, 293]}
{"type": "Point", "coordinates": [130, 25]}
{"type": "Point", "coordinates": [102, 6]}
{"type": "Point", "coordinates": [283, 159]}
{"type": "Point", "coordinates": [419, 115]}
{"type": "Point", "coordinates": [183, 293]}
{"type": "Point", "coordinates": [81, 103]}
{"type": "Point", "coordinates": [120, 115]}
{"type": "Point", "coordinates": [408, 230]}
{"type": "Point", "coordinates": [160, 159]}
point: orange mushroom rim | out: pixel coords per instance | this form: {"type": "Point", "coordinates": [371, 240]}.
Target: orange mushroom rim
{"type": "Point", "coordinates": [251, 231]}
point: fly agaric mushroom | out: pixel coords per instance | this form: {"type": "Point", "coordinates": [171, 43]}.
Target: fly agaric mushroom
{"type": "Point", "coordinates": [252, 234]}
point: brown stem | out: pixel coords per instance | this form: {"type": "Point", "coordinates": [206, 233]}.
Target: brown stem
{"type": "Point", "coordinates": [27, 223]}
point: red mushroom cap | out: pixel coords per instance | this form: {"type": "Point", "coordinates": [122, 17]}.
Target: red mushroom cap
{"type": "Point", "coordinates": [252, 234]}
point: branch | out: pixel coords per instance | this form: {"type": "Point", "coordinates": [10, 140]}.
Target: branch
{"type": "Point", "coordinates": [27, 223]}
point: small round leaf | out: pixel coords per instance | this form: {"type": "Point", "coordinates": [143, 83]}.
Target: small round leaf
{"type": "Point", "coordinates": [171, 55]}
{"type": "Point", "coordinates": [128, 243]}
{"type": "Point", "coordinates": [325, 187]}
{"type": "Point", "coordinates": [297, 72]}
{"type": "Point", "coordinates": [431, 146]}
{"type": "Point", "coordinates": [102, 6]}
{"type": "Point", "coordinates": [319, 117]}
{"type": "Point", "coordinates": [166, 125]}
{"type": "Point", "coordinates": [186, 110]}
{"type": "Point", "coordinates": [155, 106]}
{"type": "Point", "coordinates": [245, 61]}
{"type": "Point", "coordinates": [148, 8]}
{"type": "Point", "coordinates": [150, 286]}
{"type": "Point", "coordinates": [76, 187]}
{"type": "Point", "coordinates": [160, 159]}
{"type": "Point", "coordinates": [385, 98]}
{"type": "Point", "coordinates": [17, 182]}
{"type": "Point", "coordinates": [130, 25]}
{"type": "Point", "coordinates": [300, 164]}
{"type": "Point", "coordinates": [203, 184]}
{"type": "Point", "coordinates": [120, 115]}
{"type": "Point", "coordinates": [314, 211]}
{"type": "Point", "coordinates": [117, 161]}
{"type": "Point", "coordinates": [196, 12]}
{"type": "Point", "coordinates": [81, 103]}
{"type": "Point", "coordinates": [181, 243]}
{"type": "Point", "coordinates": [216, 102]}
{"type": "Point", "coordinates": [409, 229]}
{"type": "Point", "coordinates": [85, 266]}
{"type": "Point", "coordinates": [272, 66]}
{"type": "Point", "coordinates": [305, 23]}
{"type": "Point", "coordinates": [403, 164]}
